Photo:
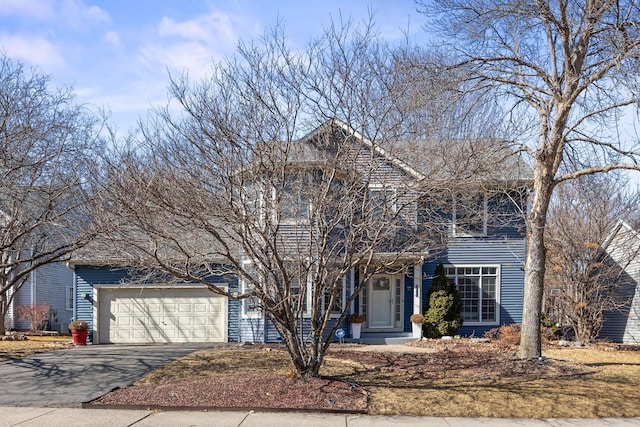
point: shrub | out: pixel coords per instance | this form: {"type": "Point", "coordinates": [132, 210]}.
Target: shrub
{"type": "Point", "coordinates": [548, 329]}
{"type": "Point", "coordinates": [444, 315]}
{"type": "Point", "coordinates": [506, 336]}
{"type": "Point", "coordinates": [36, 314]}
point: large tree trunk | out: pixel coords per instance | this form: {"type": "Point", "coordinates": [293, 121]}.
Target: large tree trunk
{"type": "Point", "coordinates": [530, 344]}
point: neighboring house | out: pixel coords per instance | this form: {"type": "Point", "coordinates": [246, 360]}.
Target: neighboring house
{"type": "Point", "coordinates": [50, 284]}
{"type": "Point", "coordinates": [485, 258]}
{"type": "Point", "coordinates": [623, 247]}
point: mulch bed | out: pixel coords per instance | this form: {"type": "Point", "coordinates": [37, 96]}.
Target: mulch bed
{"type": "Point", "coordinates": [253, 391]}
{"type": "Point", "coordinates": [346, 393]}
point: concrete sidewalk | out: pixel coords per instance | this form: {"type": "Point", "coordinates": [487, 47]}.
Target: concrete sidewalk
{"type": "Point", "coordinates": [71, 417]}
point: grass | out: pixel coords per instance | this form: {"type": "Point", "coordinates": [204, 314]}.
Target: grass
{"type": "Point", "coordinates": [455, 379]}
{"type": "Point", "coordinates": [34, 344]}
{"type": "Point", "coordinates": [467, 381]}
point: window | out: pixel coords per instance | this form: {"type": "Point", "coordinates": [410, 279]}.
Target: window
{"type": "Point", "coordinates": [292, 197]}
{"type": "Point", "coordinates": [250, 306]}
{"type": "Point", "coordinates": [297, 293]}
{"type": "Point", "coordinates": [251, 197]}
{"type": "Point", "coordinates": [478, 287]}
{"type": "Point", "coordinates": [382, 202]}
{"type": "Point", "coordinates": [294, 205]}
{"type": "Point", "coordinates": [470, 215]}
{"type": "Point", "coordinates": [336, 308]}
{"type": "Point", "coordinates": [69, 298]}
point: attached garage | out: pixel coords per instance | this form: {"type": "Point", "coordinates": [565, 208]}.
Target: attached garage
{"type": "Point", "coordinates": [128, 315]}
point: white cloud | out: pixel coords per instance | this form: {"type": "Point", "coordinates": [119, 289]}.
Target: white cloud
{"type": "Point", "coordinates": [75, 14]}
{"type": "Point", "coordinates": [62, 13]}
{"type": "Point", "coordinates": [38, 9]}
{"type": "Point", "coordinates": [214, 27]}
{"type": "Point", "coordinates": [112, 37]}
{"type": "Point", "coordinates": [33, 50]}
{"type": "Point", "coordinates": [192, 57]}
{"type": "Point", "coordinates": [191, 45]}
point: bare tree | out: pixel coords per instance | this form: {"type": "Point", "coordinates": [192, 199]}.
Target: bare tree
{"type": "Point", "coordinates": [565, 73]}
{"type": "Point", "coordinates": [256, 178]}
{"type": "Point", "coordinates": [44, 157]}
{"type": "Point", "coordinates": [580, 284]}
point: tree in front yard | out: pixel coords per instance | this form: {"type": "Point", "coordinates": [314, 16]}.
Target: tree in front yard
{"type": "Point", "coordinates": [566, 76]}
{"type": "Point", "coordinates": [580, 283]}
{"type": "Point", "coordinates": [46, 143]}
{"type": "Point", "coordinates": [228, 187]}
{"type": "Point", "coordinates": [444, 313]}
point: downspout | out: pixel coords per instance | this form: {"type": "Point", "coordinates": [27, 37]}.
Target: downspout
{"type": "Point", "coordinates": [33, 283]}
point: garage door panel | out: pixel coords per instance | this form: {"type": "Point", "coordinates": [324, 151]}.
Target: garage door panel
{"type": "Point", "coordinates": [154, 315]}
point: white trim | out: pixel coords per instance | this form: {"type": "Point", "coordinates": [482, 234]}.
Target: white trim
{"type": "Point", "coordinates": [243, 285]}
{"type": "Point", "coordinates": [68, 298]}
{"type": "Point", "coordinates": [352, 278]}
{"type": "Point", "coordinates": [368, 143]}
{"type": "Point", "coordinates": [417, 288]}
{"type": "Point", "coordinates": [395, 280]}
{"type": "Point", "coordinates": [497, 298]}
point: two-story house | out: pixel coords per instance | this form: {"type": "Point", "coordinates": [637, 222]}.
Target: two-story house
{"type": "Point", "coordinates": [459, 203]}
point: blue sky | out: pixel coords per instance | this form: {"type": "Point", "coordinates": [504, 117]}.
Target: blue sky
{"type": "Point", "coordinates": [117, 53]}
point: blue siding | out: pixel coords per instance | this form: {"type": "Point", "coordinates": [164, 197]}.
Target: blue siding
{"type": "Point", "coordinates": [508, 254]}
{"type": "Point", "coordinates": [233, 311]}
{"type": "Point", "coordinates": [408, 300]}
{"type": "Point", "coordinates": [252, 330]}
{"type": "Point", "coordinates": [85, 277]}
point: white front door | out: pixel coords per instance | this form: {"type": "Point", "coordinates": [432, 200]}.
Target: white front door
{"type": "Point", "coordinates": [381, 302]}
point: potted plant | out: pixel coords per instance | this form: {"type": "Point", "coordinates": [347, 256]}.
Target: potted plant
{"type": "Point", "coordinates": [356, 321]}
{"type": "Point", "coordinates": [79, 331]}
{"type": "Point", "coordinates": [417, 321]}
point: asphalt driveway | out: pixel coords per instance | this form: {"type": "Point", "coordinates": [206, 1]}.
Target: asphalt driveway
{"type": "Point", "coordinates": [70, 377]}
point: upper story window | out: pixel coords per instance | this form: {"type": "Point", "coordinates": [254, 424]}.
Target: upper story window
{"type": "Point", "coordinates": [382, 201]}
{"type": "Point", "coordinates": [294, 204]}
{"type": "Point", "coordinates": [478, 287]}
{"type": "Point", "coordinates": [470, 215]}
{"type": "Point", "coordinates": [251, 197]}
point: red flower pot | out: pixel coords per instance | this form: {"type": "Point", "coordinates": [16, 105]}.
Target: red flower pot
{"type": "Point", "coordinates": [79, 337]}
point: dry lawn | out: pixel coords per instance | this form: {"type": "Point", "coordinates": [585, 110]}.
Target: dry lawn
{"type": "Point", "coordinates": [445, 379]}
{"type": "Point", "coordinates": [34, 344]}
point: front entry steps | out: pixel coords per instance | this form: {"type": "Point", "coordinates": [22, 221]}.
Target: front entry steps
{"type": "Point", "coordinates": [382, 338]}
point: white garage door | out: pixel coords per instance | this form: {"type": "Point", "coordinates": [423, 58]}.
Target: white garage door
{"type": "Point", "coordinates": [161, 315]}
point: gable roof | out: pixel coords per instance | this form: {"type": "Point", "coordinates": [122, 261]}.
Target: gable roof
{"type": "Point", "coordinates": [483, 161]}
{"type": "Point", "coordinates": [622, 227]}
{"type": "Point", "coordinates": [349, 131]}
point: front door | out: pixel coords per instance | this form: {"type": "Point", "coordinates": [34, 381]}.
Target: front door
{"type": "Point", "coordinates": [381, 302]}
